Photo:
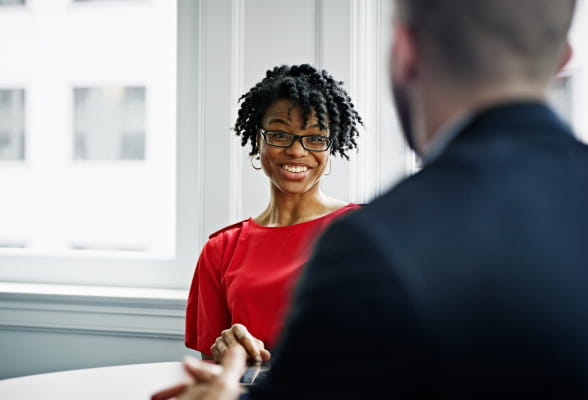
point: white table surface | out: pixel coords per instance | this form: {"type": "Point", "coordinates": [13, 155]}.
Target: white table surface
{"type": "Point", "coordinates": [129, 382]}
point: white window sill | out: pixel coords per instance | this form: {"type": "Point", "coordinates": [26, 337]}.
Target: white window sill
{"type": "Point", "coordinates": [92, 291]}
{"type": "Point", "coordinates": [93, 310]}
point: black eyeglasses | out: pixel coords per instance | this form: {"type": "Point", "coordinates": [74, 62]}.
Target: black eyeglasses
{"type": "Point", "coordinates": [285, 139]}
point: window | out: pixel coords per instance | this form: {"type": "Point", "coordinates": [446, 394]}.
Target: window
{"type": "Point", "coordinates": [12, 2]}
{"type": "Point", "coordinates": [88, 143]}
{"type": "Point", "coordinates": [109, 123]}
{"type": "Point", "coordinates": [89, 1]}
{"type": "Point", "coordinates": [568, 93]}
{"type": "Point", "coordinates": [12, 130]}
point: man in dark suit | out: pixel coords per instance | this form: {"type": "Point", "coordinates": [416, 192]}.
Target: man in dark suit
{"type": "Point", "coordinates": [470, 278]}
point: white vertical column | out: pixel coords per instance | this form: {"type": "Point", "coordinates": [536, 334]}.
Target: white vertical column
{"type": "Point", "coordinates": [383, 155]}
{"type": "Point", "coordinates": [237, 153]}
{"type": "Point", "coordinates": [216, 133]}
{"type": "Point", "coordinates": [190, 127]}
{"type": "Point", "coordinates": [334, 55]}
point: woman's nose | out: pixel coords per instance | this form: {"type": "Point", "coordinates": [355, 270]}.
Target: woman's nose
{"type": "Point", "coordinates": [296, 149]}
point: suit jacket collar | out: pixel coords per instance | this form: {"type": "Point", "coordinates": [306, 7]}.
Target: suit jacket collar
{"type": "Point", "coordinates": [501, 118]}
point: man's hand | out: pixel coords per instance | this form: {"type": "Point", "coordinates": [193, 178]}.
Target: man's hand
{"type": "Point", "coordinates": [239, 335]}
{"type": "Point", "coordinates": [208, 381]}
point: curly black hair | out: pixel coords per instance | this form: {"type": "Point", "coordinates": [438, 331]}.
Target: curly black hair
{"type": "Point", "coordinates": [308, 88]}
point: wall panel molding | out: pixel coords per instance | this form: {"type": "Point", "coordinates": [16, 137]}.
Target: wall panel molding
{"type": "Point", "coordinates": [90, 315]}
{"type": "Point", "coordinates": [319, 33]}
{"type": "Point", "coordinates": [200, 99]}
{"type": "Point", "coordinates": [236, 153]}
{"type": "Point", "coordinates": [377, 95]}
{"type": "Point", "coordinates": [362, 175]}
{"type": "Point", "coordinates": [220, 200]}
{"type": "Point", "coordinates": [191, 146]}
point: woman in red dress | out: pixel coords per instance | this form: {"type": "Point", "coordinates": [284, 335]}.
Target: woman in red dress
{"type": "Point", "coordinates": [295, 119]}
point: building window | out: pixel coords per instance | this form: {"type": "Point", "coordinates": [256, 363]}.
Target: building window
{"type": "Point", "coordinates": [97, 1]}
{"type": "Point", "coordinates": [12, 244]}
{"type": "Point", "coordinates": [12, 2]}
{"type": "Point", "coordinates": [109, 123]}
{"type": "Point", "coordinates": [12, 125]}
{"type": "Point", "coordinates": [98, 118]}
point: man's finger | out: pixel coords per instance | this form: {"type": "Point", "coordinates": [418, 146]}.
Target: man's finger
{"type": "Point", "coordinates": [197, 392]}
{"type": "Point", "coordinates": [201, 371]}
{"type": "Point", "coordinates": [170, 392]}
{"type": "Point", "coordinates": [233, 364]}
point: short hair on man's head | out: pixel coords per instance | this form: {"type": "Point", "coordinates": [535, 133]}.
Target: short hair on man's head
{"type": "Point", "coordinates": [490, 39]}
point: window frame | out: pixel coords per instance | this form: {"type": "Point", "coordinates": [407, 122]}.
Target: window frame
{"type": "Point", "coordinates": [133, 269]}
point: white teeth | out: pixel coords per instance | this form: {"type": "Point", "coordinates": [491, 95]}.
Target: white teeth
{"type": "Point", "coordinates": [294, 169]}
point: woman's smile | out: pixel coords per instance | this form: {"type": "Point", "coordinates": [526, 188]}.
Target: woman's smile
{"type": "Point", "coordinates": [295, 171]}
{"type": "Point", "coordinates": [295, 168]}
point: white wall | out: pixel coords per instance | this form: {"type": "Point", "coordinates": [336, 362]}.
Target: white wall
{"type": "Point", "coordinates": [244, 38]}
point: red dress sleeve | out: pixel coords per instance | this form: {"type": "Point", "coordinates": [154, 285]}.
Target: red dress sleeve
{"type": "Point", "coordinates": [207, 313]}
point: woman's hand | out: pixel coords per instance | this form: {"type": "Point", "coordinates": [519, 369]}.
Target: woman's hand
{"type": "Point", "coordinates": [239, 335]}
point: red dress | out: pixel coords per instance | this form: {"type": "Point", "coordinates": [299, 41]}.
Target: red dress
{"type": "Point", "coordinates": [245, 274]}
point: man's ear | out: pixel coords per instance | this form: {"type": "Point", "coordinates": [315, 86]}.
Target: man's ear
{"type": "Point", "coordinates": [404, 53]}
{"type": "Point", "coordinates": [567, 56]}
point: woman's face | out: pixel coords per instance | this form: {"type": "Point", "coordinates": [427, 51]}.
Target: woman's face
{"type": "Point", "coordinates": [292, 169]}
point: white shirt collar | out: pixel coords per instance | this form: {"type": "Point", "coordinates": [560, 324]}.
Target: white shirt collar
{"type": "Point", "coordinates": [444, 136]}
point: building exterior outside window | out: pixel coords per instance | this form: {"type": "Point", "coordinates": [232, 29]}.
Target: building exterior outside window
{"type": "Point", "coordinates": [87, 127]}
{"type": "Point", "coordinates": [12, 129]}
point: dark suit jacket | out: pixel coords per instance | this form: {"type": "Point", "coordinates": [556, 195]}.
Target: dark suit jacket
{"type": "Point", "coordinates": [468, 279]}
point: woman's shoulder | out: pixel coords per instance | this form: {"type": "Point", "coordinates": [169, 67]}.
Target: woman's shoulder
{"type": "Point", "coordinates": [354, 206]}
{"type": "Point", "coordinates": [223, 242]}
{"type": "Point", "coordinates": [335, 214]}
{"type": "Point", "coordinates": [231, 230]}
{"type": "Point", "coordinates": [347, 208]}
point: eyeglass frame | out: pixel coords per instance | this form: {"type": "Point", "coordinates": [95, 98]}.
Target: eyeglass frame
{"type": "Point", "coordinates": [294, 138]}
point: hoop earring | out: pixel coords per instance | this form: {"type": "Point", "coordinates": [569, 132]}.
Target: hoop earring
{"type": "Point", "coordinates": [330, 168]}
{"type": "Point", "coordinates": [252, 162]}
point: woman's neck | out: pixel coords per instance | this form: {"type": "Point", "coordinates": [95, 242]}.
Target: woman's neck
{"type": "Point", "coordinates": [289, 209]}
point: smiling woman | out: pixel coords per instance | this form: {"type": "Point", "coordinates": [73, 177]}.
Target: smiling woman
{"type": "Point", "coordinates": [295, 119]}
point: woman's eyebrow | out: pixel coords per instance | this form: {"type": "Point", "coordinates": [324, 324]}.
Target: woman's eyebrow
{"type": "Point", "coordinates": [276, 120]}
{"type": "Point", "coordinates": [279, 121]}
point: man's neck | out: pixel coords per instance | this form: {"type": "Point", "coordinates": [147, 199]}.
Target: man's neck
{"type": "Point", "coordinates": [439, 111]}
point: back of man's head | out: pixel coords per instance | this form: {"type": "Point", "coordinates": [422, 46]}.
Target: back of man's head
{"type": "Point", "coordinates": [490, 40]}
